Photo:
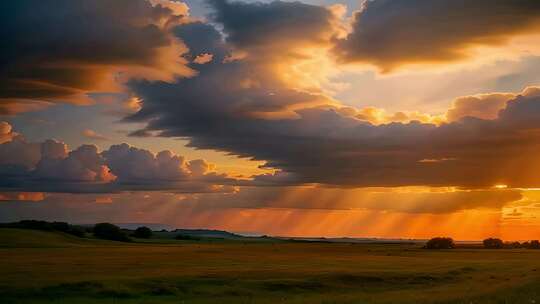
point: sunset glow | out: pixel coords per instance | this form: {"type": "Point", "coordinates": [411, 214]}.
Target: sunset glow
{"type": "Point", "coordinates": [310, 118]}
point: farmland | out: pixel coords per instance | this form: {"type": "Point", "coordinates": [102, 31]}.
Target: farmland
{"type": "Point", "coordinates": [51, 267]}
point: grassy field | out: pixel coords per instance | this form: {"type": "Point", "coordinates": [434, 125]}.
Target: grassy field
{"type": "Point", "coordinates": [45, 267]}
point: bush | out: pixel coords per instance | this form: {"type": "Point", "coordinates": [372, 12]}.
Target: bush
{"type": "Point", "coordinates": [534, 245]}
{"type": "Point", "coordinates": [513, 245]}
{"type": "Point", "coordinates": [440, 243]}
{"type": "Point", "coordinates": [493, 243]}
{"type": "Point", "coordinates": [111, 232]}
{"type": "Point", "coordinates": [142, 233]}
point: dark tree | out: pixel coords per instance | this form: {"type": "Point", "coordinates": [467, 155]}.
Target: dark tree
{"type": "Point", "coordinates": [142, 233]}
{"type": "Point", "coordinates": [493, 243]}
{"type": "Point", "coordinates": [513, 245]}
{"type": "Point", "coordinates": [108, 231]}
{"type": "Point", "coordinates": [440, 243]}
{"type": "Point", "coordinates": [534, 244]}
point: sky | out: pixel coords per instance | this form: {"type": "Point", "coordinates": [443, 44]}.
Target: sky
{"type": "Point", "coordinates": [379, 118]}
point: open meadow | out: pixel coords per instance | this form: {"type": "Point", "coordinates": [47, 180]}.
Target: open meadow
{"type": "Point", "coordinates": [51, 267]}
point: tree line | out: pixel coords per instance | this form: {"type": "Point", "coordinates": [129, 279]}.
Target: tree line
{"type": "Point", "coordinates": [104, 231]}
{"type": "Point", "coordinates": [489, 243]}
{"type": "Point", "coordinates": [108, 231]}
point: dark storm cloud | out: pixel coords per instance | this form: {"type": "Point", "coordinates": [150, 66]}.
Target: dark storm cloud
{"type": "Point", "coordinates": [238, 106]}
{"type": "Point", "coordinates": [278, 23]}
{"type": "Point", "coordinates": [202, 38]}
{"type": "Point", "coordinates": [59, 52]}
{"type": "Point", "coordinates": [390, 33]}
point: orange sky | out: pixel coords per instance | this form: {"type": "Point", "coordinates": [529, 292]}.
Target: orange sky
{"type": "Point", "coordinates": [302, 118]}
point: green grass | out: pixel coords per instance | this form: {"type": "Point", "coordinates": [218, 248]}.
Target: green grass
{"type": "Point", "coordinates": [43, 267]}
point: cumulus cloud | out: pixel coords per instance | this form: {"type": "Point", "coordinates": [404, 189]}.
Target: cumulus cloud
{"type": "Point", "coordinates": [485, 106]}
{"type": "Point", "coordinates": [62, 53]}
{"type": "Point", "coordinates": [391, 33]}
{"type": "Point", "coordinates": [50, 166]}
{"type": "Point", "coordinates": [84, 164]}
{"type": "Point", "coordinates": [133, 164]}
{"type": "Point", "coordinates": [18, 152]}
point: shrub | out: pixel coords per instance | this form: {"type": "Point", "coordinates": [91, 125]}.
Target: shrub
{"type": "Point", "coordinates": [142, 233]}
{"type": "Point", "coordinates": [493, 243]}
{"type": "Point", "coordinates": [111, 232]}
{"type": "Point", "coordinates": [513, 245]}
{"type": "Point", "coordinates": [440, 243]}
{"type": "Point", "coordinates": [534, 245]}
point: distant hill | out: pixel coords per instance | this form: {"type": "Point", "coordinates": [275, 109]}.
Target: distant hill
{"type": "Point", "coordinates": [206, 233]}
{"type": "Point", "coordinates": [153, 226]}
{"type": "Point", "coordinates": [202, 233]}
{"type": "Point", "coordinates": [20, 238]}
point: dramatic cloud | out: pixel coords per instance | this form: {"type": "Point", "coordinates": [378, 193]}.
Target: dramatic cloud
{"type": "Point", "coordinates": [254, 112]}
{"type": "Point", "coordinates": [62, 53]}
{"type": "Point", "coordinates": [391, 33]}
{"type": "Point", "coordinates": [325, 145]}
{"type": "Point", "coordinates": [275, 24]}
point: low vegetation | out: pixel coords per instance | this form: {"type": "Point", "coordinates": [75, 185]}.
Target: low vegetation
{"type": "Point", "coordinates": [440, 243]}
{"type": "Point", "coordinates": [59, 268]}
{"type": "Point", "coordinates": [493, 243]}
{"type": "Point", "coordinates": [142, 233]}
